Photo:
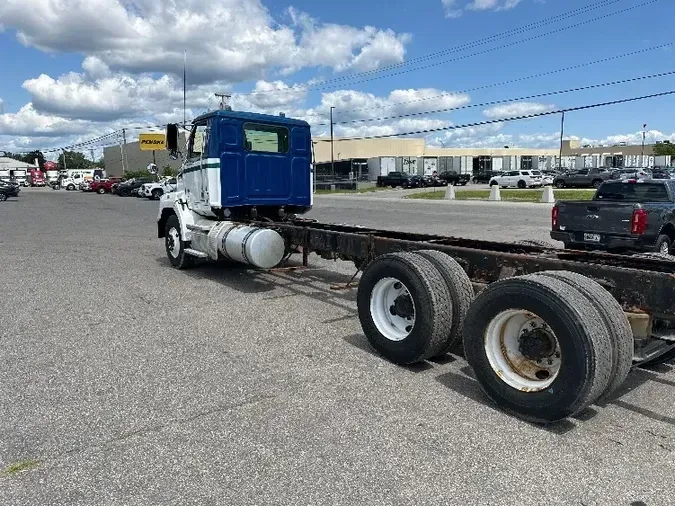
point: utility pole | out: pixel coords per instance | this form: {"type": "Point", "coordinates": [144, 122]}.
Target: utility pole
{"type": "Point", "coordinates": [642, 156]}
{"type": "Point", "coordinates": [65, 166]}
{"type": "Point", "coordinates": [92, 155]}
{"type": "Point", "coordinates": [124, 149]}
{"type": "Point", "coordinates": [562, 130]}
{"type": "Point", "coordinates": [222, 97]}
{"type": "Point", "coordinates": [332, 157]}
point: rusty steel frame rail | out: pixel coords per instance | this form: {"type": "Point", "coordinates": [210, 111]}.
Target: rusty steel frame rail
{"type": "Point", "coordinates": [640, 285]}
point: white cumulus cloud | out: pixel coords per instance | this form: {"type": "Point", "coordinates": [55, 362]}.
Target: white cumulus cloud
{"type": "Point", "coordinates": [517, 109]}
{"type": "Point", "coordinates": [230, 40]}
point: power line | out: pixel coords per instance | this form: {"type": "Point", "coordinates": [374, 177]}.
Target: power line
{"type": "Point", "coordinates": [505, 120]}
{"type": "Point", "coordinates": [507, 100]}
{"type": "Point", "coordinates": [455, 49]}
{"type": "Point", "coordinates": [511, 81]}
{"type": "Point", "coordinates": [504, 46]}
{"type": "Point", "coordinates": [466, 46]}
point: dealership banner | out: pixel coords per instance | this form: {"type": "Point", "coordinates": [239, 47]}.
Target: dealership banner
{"type": "Point", "coordinates": [151, 142]}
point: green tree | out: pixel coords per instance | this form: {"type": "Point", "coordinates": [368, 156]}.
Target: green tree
{"type": "Point", "coordinates": [169, 171]}
{"type": "Point", "coordinates": [664, 149]}
{"type": "Point", "coordinates": [74, 161]}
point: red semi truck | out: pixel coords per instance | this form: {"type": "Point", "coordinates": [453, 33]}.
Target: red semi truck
{"type": "Point", "coordinates": [36, 178]}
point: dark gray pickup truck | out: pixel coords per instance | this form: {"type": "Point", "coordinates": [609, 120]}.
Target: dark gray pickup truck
{"type": "Point", "coordinates": [622, 216]}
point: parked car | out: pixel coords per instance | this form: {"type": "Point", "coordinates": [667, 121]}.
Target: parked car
{"type": "Point", "coordinates": [518, 179]}
{"type": "Point", "coordinates": [626, 214]}
{"type": "Point", "coordinates": [455, 178]}
{"type": "Point", "coordinates": [582, 178]}
{"type": "Point", "coordinates": [413, 181]}
{"type": "Point", "coordinates": [631, 173]}
{"type": "Point", "coordinates": [662, 173]}
{"type": "Point", "coordinates": [434, 181]}
{"type": "Point", "coordinates": [156, 190]}
{"type": "Point", "coordinates": [104, 185]}
{"type": "Point", "coordinates": [393, 179]}
{"type": "Point", "coordinates": [130, 187]}
{"type": "Point", "coordinates": [486, 176]}
{"type": "Point", "coordinates": [8, 189]}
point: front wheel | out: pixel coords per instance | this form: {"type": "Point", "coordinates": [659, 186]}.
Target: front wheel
{"type": "Point", "coordinates": [157, 194]}
{"type": "Point", "coordinates": [3, 197]}
{"type": "Point", "coordinates": [70, 187]}
{"type": "Point", "coordinates": [522, 184]}
{"type": "Point", "coordinates": [494, 183]}
{"type": "Point", "coordinates": [101, 191]}
{"type": "Point", "coordinates": [559, 184]}
{"type": "Point", "coordinates": [175, 246]}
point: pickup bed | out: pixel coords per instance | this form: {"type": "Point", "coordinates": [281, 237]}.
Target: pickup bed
{"type": "Point", "coordinates": [622, 216]}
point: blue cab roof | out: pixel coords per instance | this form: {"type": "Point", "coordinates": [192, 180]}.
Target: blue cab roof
{"type": "Point", "coordinates": [253, 116]}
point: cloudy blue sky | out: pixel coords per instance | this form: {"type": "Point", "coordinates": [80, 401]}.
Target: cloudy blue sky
{"type": "Point", "coordinates": [76, 69]}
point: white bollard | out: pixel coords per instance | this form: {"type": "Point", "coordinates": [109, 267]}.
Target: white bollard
{"type": "Point", "coordinates": [547, 196]}
{"type": "Point", "coordinates": [494, 193]}
{"type": "Point", "coordinates": [450, 192]}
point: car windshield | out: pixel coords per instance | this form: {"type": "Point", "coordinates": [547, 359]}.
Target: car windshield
{"type": "Point", "coordinates": [633, 192]}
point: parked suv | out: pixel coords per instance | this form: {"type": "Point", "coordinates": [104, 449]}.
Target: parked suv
{"type": "Point", "coordinates": [583, 178]}
{"type": "Point", "coordinates": [130, 187]}
{"type": "Point", "coordinates": [518, 179]}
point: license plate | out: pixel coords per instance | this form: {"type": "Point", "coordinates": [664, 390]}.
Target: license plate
{"type": "Point", "coordinates": [592, 237]}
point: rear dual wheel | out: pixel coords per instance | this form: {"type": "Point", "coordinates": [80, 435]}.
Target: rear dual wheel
{"type": "Point", "coordinates": [546, 346]}
{"type": "Point", "coordinates": [412, 305]}
{"type": "Point", "coordinates": [543, 346]}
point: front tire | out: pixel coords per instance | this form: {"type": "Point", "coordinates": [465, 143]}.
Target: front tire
{"type": "Point", "coordinates": [157, 194]}
{"type": "Point", "coordinates": [3, 197]}
{"type": "Point", "coordinates": [559, 184]}
{"type": "Point", "coordinates": [175, 246]}
{"type": "Point", "coordinates": [70, 187]}
{"type": "Point", "coordinates": [539, 347]}
{"type": "Point", "coordinates": [494, 183]}
{"type": "Point", "coordinates": [522, 184]}
{"type": "Point", "coordinates": [101, 191]}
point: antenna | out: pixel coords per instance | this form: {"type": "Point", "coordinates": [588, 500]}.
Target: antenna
{"type": "Point", "coordinates": [222, 97]}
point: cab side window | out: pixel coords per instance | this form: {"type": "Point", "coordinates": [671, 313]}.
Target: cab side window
{"type": "Point", "coordinates": [198, 141]}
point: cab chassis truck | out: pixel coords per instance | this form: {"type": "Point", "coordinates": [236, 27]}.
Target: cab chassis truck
{"type": "Point", "coordinates": [547, 332]}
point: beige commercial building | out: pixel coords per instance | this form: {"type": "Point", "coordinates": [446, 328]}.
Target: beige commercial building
{"type": "Point", "coordinates": [365, 159]}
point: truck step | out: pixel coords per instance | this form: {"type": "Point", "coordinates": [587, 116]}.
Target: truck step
{"type": "Point", "coordinates": [198, 228]}
{"type": "Point", "coordinates": [195, 253]}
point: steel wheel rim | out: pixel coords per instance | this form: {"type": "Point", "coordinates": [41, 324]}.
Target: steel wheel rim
{"type": "Point", "coordinates": [173, 242]}
{"type": "Point", "coordinates": [389, 297]}
{"type": "Point", "coordinates": [523, 350]}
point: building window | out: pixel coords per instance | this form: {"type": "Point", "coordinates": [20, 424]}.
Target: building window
{"type": "Point", "coordinates": [265, 138]}
{"type": "Point", "coordinates": [526, 163]}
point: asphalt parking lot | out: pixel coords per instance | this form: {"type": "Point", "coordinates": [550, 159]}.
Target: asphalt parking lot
{"type": "Point", "coordinates": [123, 381]}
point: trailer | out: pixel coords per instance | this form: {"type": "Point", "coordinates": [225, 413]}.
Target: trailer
{"type": "Point", "coordinates": [547, 332]}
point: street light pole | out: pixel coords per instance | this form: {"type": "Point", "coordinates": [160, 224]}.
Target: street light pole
{"type": "Point", "coordinates": [332, 158]}
{"type": "Point", "coordinates": [642, 156]}
{"type": "Point", "coordinates": [562, 130]}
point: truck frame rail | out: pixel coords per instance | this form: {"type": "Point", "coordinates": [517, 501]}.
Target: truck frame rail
{"type": "Point", "coordinates": [641, 285]}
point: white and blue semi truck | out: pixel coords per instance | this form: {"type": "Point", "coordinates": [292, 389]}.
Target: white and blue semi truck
{"type": "Point", "coordinates": [547, 332]}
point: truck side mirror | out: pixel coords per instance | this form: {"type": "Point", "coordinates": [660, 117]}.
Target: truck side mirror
{"type": "Point", "coordinates": [172, 140]}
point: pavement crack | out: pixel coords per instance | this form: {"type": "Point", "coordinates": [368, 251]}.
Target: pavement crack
{"type": "Point", "coordinates": [161, 426]}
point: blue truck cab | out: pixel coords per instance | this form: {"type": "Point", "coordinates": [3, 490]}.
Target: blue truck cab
{"type": "Point", "coordinates": [241, 165]}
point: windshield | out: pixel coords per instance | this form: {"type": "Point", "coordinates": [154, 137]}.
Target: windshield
{"type": "Point", "coordinates": [633, 192]}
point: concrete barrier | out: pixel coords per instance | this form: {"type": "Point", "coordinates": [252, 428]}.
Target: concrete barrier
{"type": "Point", "coordinates": [547, 195]}
{"type": "Point", "coordinates": [495, 193]}
{"type": "Point", "coordinates": [450, 192]}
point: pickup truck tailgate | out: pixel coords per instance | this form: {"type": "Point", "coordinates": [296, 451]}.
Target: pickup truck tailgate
{"type": "Point", "coordinates": [596, 216]}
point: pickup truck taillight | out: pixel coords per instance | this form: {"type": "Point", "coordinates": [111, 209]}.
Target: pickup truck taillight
{"type": "Point", "coordinates": [554, 218]}
{"type": "Point", "coordinates": [638, 223]}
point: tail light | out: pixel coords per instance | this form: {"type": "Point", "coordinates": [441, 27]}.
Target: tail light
{"type": "Point", "coordinates": [638, 223]}
{"type": "Point", "coordinates": [554, 218]}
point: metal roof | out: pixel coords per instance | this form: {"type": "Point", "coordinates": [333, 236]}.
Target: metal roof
{"type": "Point", "coordinates": [11, 163]}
